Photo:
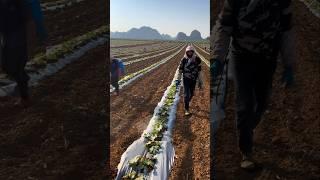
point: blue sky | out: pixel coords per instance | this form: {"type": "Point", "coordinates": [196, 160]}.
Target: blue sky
{"type": "Point", "coordinates": [167, 16]}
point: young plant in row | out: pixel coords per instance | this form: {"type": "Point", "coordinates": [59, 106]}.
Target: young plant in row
{"type": "Point", "coordinates": [143, 165]}
{"type": "Point", "coordinates": [139, 167]}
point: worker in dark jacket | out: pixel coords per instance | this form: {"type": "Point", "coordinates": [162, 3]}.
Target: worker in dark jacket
{"type": "Point", "coordinates": [116, 71]}
{"type": "Point", "coordinates": [190, 68]}
{"type": "Point", "coordinates": [253, 32]}
{"type": "Point", "coordinates": [15, 15]}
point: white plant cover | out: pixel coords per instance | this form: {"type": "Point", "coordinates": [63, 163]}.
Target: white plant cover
{"type": "Point", "coordinates": [165, 158]}
{"type": "Point", "coordinates": [51, 6]}
{"type": "Point", "coordinates": [313, 6]}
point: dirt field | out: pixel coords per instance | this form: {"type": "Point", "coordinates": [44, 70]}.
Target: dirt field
{"type": "Point", "coordinates": [132, 110]}
{"type": "Point", "coordinates": [191, 136]}
{"type": "Point", "coordinates": [61, 135]}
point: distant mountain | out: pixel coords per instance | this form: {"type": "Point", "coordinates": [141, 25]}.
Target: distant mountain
{"type": "Point", "coordinates": [195, 35]}
{"type": "Point", "coordinates": [181, 36]}
{"type": "Point", "coordinates": [149, 33]}
{"type": "Point", "coordinates": [166, 36]}
{"type": "Point", "coordinates": [141, 33]}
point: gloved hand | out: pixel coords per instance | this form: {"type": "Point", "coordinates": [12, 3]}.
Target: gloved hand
{"type": "Point", "coordinates": [216, 68]}
{"type": "Point", "coordinates": [287, 76]}
{"type": "Point", "coordinates": [178, 81]}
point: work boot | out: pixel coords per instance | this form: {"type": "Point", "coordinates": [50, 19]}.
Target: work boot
{"type": "Point", "coordinates": [187, 113]}
{"type": "Point", "coordinates": [247, 162]}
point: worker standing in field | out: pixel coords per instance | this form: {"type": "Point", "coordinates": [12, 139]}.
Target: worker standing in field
{"type": "Point", "coordinates": [190, 68]}
{"type": "Point", "coordinates": [15, 17]}
{"type": "Point", "coordinates": [256, 32]}
{"type": "Point", "coordinates": [116, 71]}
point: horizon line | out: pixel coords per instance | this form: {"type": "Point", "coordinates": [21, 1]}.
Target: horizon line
{"type": "Point", "coordinates": [160, 32]}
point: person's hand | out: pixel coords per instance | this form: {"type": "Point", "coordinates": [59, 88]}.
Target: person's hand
{"type": "Point", "coordinates": [200, 86]}
{"type": "Point", "coordinates": [287, 77]}
{"type": "Point", "coordinates": [216, 68]}
{"type": "Point", "coordinates": [177, 82]}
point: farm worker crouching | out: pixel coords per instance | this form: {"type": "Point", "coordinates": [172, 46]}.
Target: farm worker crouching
{"type": "Point", "coordinates": [16, 16]}
{"type": "Point", "coordinates": [116, 71]}
{"type": "Point", "coordinates": [258, 31]}
{"type": "Point", "coordinates": [190, 68]}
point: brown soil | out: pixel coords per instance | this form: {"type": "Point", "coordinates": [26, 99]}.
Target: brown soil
{"type": "Point", "coordinates": [61, 135]}
{"type": "Point", "coordinates": [132, 110]}
{"type": "Point", "coordinates": [135, 45]}
{"type": "Point", "coordinates": [155, 52]}
{"type": "Point", "coordinates": [191, 136]}
{"type": "Point", "coordinates": [287, 141]}
{"type": "Point", "coordinates": [75, 20]}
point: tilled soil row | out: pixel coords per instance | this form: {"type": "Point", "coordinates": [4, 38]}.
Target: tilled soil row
{"type": "Point", "coordinates": [191, 135]}
{"type": "Point", "coordinates": [151, 53]}
{"type": "Point", "coordinates": [138, 51]}
{"type": "Point", "coordinates": [131, 111]}
{"type": "Point", "coordinates": [131, 68]}
{"type": "Point", "coordinates": [135, 45]}
{"type": "Point", "coordinates": [60, 136]}
{"type": "Point", "coordinates": [73, 21]}
{"type": "Point", "coordinates": [207, 56]}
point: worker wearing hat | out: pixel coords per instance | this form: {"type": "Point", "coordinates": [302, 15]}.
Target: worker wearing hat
{"type": "Point", "coordinates": [190, 68]}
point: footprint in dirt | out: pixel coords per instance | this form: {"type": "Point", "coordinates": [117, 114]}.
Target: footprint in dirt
{"type": "Point", "coordinates": [188, 117]}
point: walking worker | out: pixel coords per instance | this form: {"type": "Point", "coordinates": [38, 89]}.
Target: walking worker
{"type": "Point", "coordinates": [190, 68]}
{"type": "Point", "coordinates": [15, 16]}
{"type": "Point", "coordinates": [254, 32]}
{"type": "Point", "coordinates": [116, 71]}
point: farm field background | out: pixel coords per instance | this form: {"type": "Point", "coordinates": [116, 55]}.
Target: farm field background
{"type": "Point", "coordinates": [132, 110]}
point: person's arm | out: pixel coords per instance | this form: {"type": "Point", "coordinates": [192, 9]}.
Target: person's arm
{"type": "Point", "coordinates": [37, 16]}
{"type": "Point", "coordinates": [222, 31]}
{"type": "Point", "coordinates": [287, 48]}
{"type": "Point", "coordinates": [181, 67]}
{"type": "Point", "coordinates": [220, 37]}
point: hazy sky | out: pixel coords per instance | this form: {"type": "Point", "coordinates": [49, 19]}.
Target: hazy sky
{"type": "Point", "coordinates": [167, 16]}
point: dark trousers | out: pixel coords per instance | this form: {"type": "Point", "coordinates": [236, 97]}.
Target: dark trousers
{"type": "Point", "coordinates": [253, 83]}
{"type": "Point", "coordinates": [14, 59]}
{"type": "Point", "coordinates": [189, 86]}
{"type": "Point", "coordinates": [115, 82]}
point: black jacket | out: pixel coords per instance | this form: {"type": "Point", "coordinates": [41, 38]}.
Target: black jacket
{"type": "Point", "coordinates": [190, 70]}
